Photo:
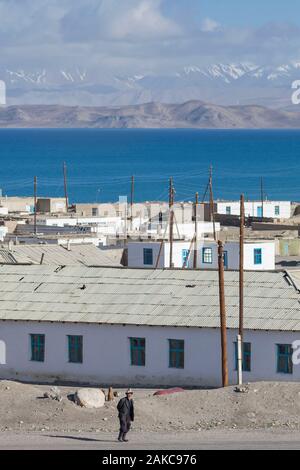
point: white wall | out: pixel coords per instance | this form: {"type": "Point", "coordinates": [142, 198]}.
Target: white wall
{"type": "Point", "coordinates": [136, 254]}
{"type": "Point", "coordinates": [106, 355]}
{"type": "Point", "coordinates": [3, 232]}
{"type": "Point", "coordinates": [251, 208]}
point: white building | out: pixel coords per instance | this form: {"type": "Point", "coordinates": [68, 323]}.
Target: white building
{"type": "Point", "coordinates": [258, 255]}
{"type": "Point", "coordinates": [183, 231]}
{"type": "Point", "coordinates": [136, 327]}
{"type": "Point", "coordinates": [270, 209]}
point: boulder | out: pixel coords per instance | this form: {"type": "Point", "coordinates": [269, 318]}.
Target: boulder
{"type": "Point", "coordinates": [90, 398]}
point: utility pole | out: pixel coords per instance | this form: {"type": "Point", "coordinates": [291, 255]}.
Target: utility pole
{"type": "Point", "coordinates": [241, 294]}
{"type": "Point", "coordinates": [211, 201]}
{"type": "Point", "coordinates": [66, 186]}
{"type": "Point", "coordinates": [262, 197]}
{"type": "Point", "coordinates": [196, 231]}
{"type": "Point", "coordinates": [171, 228]}
{"type": "Point", "coordinates": [131, 202]}
{"type": "Point", "coordinates": [223, 315]}
{"type": "Point", "coordinates": [35, 204]}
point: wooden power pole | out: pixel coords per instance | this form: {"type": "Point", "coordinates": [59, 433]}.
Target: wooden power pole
{"type": "Point", "coordinates": [66, 186]}
{"type": "Point", "coordinates": [171, 228]}
{"type": "Point", "coordinates": [211, 201]}
{"type": "Point", "coordinates": [35, 203]}
{"type": "Point", "coordinates": [196, 231]}
{"type": "Point", "coordinates": [131, 202]}
{"type": "Point", "coordinates": [241, 295]}
{"type": "Point", "coordinates": [262, 197]}
{"type": "Point", "coordinates": [223, 315]}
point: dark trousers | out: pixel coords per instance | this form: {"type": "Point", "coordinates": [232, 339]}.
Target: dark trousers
{"type": "Point", "coordinates": [125, 424]}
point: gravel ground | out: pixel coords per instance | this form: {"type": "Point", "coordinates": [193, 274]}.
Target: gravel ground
{"type": "Point", "coordinates": [274, 406]}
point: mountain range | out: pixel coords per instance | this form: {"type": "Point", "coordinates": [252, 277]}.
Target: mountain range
{"type": "Point", "coordinates": [223, 84]}
{"type": "Point", "coordinates": [192, 114]}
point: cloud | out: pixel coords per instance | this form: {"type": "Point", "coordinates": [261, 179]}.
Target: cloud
{"type": "Point", "coordinates": [209, 25]}
{"type": "Point", "coordinates": [131, 36]}
{"type": "Point", "coordinates": [115, 20]}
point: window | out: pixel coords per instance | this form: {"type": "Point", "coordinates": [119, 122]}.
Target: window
{"type": "Point", "coordinates": [259, 211]}
{"type": "Point", "coordinates": [225, 259]}
{"type": "Point", "coordinates": [138, 351]}
{"type": "Point", "coordinates": [75, 344]}
{"type": "Point", "coordinates": [257, 256]}
{"type": "Point", "coordinates": [228, 210]}
{"type": "Point", "coordinates": [94, 211]}
{"type": "Point", "coordinates": [185, 257]}
{"type": "Point", "coordinates": [207, 256]}
{"type": "Point", "coordinates": [37, 348]}
{"type": "Point", "coordinates": [246, 358]}
{"type": "Point", "coordinates": [176, 353]}
{"type": "Point", "coordinates": [148, 256]}
{"type": "Point", "coordinates": [277, 210]}
{"type": "Point", "coordinates": [284, 359]}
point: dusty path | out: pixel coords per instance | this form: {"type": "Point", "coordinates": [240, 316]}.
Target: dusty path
{"type": "Point", "coordinates": [204, 440]}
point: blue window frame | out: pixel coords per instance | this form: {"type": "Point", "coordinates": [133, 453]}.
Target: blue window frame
{"type": "Point", "coordinates": [37, 348]}
{"type": "Point", "coordinates": [228, 210]}
{"type": "Point", "coordinates": [207, 257]}
{"type": "Point", "coordinates": [246, 359]}
{"type": "Point", "coordinates": [259, 211]}
{"type": "Point", "coordinates": [257, 256]}
{"type": "Point", "coordinates": [75, 344]}
{"type": "Point", "coordinates": [138, 351]}
{"type": "Point", "coordinates": [225, 259]}
{"type": "Point", "coordinates": [284, 359]}
{"type": "Point", "coordinates": [148, 256]}
{"type": "Point", "coordinates": [176, 353]}
{"type": "Point", "coordinates": [277, 210]}
{"type": "Point", "coordinates": [185, 257]}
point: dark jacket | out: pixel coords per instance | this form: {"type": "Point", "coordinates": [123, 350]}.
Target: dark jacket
{"type": "Point", "coordinates": [126, 408]}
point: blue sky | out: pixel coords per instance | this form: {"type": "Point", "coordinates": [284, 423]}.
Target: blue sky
{"type": "Point", "coordinates": [139, 36]}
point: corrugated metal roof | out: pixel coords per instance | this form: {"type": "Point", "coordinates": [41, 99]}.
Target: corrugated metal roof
{"type": "Point", "coordinates": [146, 297]}
{"type": "Point", "coordinates": [58, 255]}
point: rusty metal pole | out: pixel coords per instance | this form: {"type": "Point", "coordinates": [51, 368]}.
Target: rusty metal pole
{"type": "Point", "coordinates": [223, 315]}
{"type": "Point", "coordinates": [196, 231]}
{"type": "Point", "coordinates": [241, 271]}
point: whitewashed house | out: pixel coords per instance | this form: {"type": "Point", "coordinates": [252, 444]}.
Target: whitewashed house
{"type": "Point", "coordinates": [258, 255]}
{"type": "Point", "coordinates": [269, 209]}
{"type": "Point", "coordinates": [134, 327]}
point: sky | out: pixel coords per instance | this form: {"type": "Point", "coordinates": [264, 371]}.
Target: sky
{"type": "Point", "coordinates": [142, 36]}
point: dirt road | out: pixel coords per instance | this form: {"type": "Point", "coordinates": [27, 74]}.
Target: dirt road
{"type": "Point", "coordinates": [204, 440]}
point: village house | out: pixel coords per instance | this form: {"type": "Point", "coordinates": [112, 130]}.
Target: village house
{"type": "Point", "coordinates": [268, 209]}
{"type": "Point", "coordinates": [259, 255]}
{"type": "Point", "coordinates": [139, 327]}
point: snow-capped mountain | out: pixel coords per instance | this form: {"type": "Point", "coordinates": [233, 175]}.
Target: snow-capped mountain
{"type": "Point", "coordinates": [222, 83]}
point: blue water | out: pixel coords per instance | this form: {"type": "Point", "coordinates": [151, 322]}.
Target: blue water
{"type": "Point", "coordinates": [101, 162]}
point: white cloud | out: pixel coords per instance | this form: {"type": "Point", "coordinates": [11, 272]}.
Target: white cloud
{"type": "Point", "coordinates": [209, 25]}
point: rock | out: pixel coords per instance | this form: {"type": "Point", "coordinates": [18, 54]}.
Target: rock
{"type": "Point", "coordinates": [110, 396]}
{"type": "Point", "coordinates": [54, 394]}
{"type": "Point", "coordinates": [90, 398]}
{"type": "Point", "coordinates": [242, 389]}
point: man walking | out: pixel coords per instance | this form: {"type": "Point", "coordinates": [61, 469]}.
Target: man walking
{"type": "Point", "coordinates": [126, 415]}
